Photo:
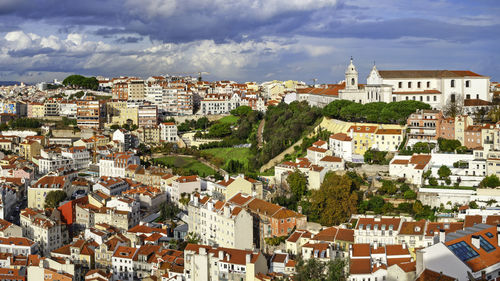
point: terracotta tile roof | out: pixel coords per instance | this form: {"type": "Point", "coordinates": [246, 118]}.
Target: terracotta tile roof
{"type": "Point", "coordinates": [330, 158]}
{"type": "Point", "coordinates": [434, 227]}
{"type": "Point", "coordinates": [279, 258]}
{"type": "Point", "coordinates": [420, 159]}
{"type": "Point", "coordinates": [294, 237]}
{"type": "Point", "coordinates": [476, 102]}
{"type": "Point", "coordinates": [424, 92]}
{"type": "Point", "coordinates": [363, 129]}
{"type": "Point", "coordinates": [50, 182]}
{"type": "Point", "coordinates": [493, 220]}
{"type": "Point", "coordinates": [414, 74]}
{"type": "Point", "coordinates": [231, 256]}
{"type": "Point", "coordinates": [408, 266]}
{"type": "Point", "coordinates": [412, 228]}
{"type": "Point", "coordinates": [400, 162]}
{"type": "Point", "coordinates": [360, 266]}
{"type": "Point", "coordinates": [429, 275]}
{"type": "Point", "coordinates": [361, 250]}
{"type": "Point", "coordinates": [396, 250]}
{"type": "Point", "coordinates": [472, 220]}
{"type": "Point", "coordinates": [125, 252]}
{"type": "Point", "coordinates": [317, 149]}
{"type": "Point", "coordinates": [187, 179]}
{"type": "Point", "coordinates": [388, 132]}
{"type": "Point", "coordinates": [341, 137]}
{"type": "Point", "coordinates": [380, 223]}
{"type": "Point", "coordinates": [319, 143]}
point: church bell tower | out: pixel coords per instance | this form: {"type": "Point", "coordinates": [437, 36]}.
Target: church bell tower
{"type": "Point", "coordinates": [351, 77]}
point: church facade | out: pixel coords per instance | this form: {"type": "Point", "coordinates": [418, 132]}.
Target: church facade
{"type": "Point", "coordinates": [434, 87]}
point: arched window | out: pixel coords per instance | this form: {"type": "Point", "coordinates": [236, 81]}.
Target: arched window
{"type": "Point", "coordinates": [353, 81]}
{"type": "Point", "coordinates": [452, 83]}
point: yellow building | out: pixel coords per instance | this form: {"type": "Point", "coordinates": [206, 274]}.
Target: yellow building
{"type": "Point", "coordinates": [120, 114]}
{"type": "Point", "coordinates": [363, 137]}
{"type": "Point", "coordinates": [30, 149]}
{"type": "Point", "coordinates": [388, 139]}
{"type": "Point", "coordinates": [149, 135]}
{"type": "Point", "coordinates": [37, 110]}
{"type": "Point", "coordinates": [232, 186]}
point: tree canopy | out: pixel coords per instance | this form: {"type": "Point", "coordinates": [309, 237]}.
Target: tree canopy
{"type": "Point", "coordinates": [53, 198]}
{"type": "Point", "coordinates": [335, 200]}
{"type": "Point", "coordinates": [297, 182]}
{"type": "Point", "coordinates": [490, 181]}
{"type": "Point", "coordinates": [81, 82]}
{"type": "Point", "coordinates": [315, 270]}
{"type": "Point", "coordinates": [377, 112]}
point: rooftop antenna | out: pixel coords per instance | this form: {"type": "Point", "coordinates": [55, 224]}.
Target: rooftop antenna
{"type": "Point", "coordinates": [314, 81]}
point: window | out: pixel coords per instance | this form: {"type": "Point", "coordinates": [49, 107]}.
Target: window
{"type": "Point", "coordinates": [353, 81]}
{"type": "Point", "coordinates": [435, 98]}
{"type": "Point", "coordinates": [452, 97]}
{"type": "Point", "coordinates": [421, 98]}
{"type": "Point", "coordinates": [418, 84]}
{"type": "Point", "coordinates": [393, 98]}
{"type": "Point", "coordinates": [428, 98]}
{"type": "Point", "coordinates": [452, 83]}
{"type": "Point", "coordinates": [400, 85]}
{"type": "Point", "coordinates": [467, 84]}
{"type": "Point", "coordinates": [409, 84]}
{"type": "Point", "coordinates": [428, 84]}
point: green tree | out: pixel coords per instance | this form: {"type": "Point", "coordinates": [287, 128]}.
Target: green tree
{"type": "Point", "coordinates": [490, 181]}
{"type": "Point", "coordinates": [332, 110]}
{"type": "Point", "coordinates": [315, 270]}
{"type": "Point", "coordinates": [473, 205]}
{"type": "Point", "coordinates": [444, 172]}
{"type": "Point", "coordinates": [53, 198]}
{"type": "Point", "coordinates": [335, 201]}
{"type": "Point", "coordinates": [81, 82]}
{"type": "Point", "coordinates": [446, 145]}
{"type": "Point", "coordinates": [297, 181]}
{"type": "Point", "coordinates": [388, 187]}
{"type": "Point", "coordinates": [433, 181]}
{"type": "Point", "coordinates": [241, 110]}
{"type": "Point", "coordinates": [410, 195]}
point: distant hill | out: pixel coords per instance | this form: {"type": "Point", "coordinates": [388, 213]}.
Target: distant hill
{"type": "Point", "coordinates": [9, 83]}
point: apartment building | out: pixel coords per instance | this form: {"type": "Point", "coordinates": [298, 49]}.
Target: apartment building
{"type": "Point", "coordinates": [168, 132]}
{"type": "Point", "coordinates": [110, 186]}
{"type": "Point", "coordinates": [341, 145]}
{"type": "Point", "coordinates": [220, 223]}
{"type": "Point", "coordinates": [424, 126]}
{"type": "Point", "coordinates": [115, 164]}
{"type": "Point", "coordinates": [231, 186]}
{"type": "Point", "coordinates": [218, 263]}
{"type": "Point", "coordinates": [120, 91]}
{"type": "Point", "coordinates": [273, 220]}
{"type": "Point", "coordinates": [410, 167]}
{"type": "Point", "coordinates": [147, 115]}
{"type": "Point", "coordinates": [463, 255]}
{"type": "Point", "coordinates": [90, 113]}
{"type": "Point", "coordinates": [18, 246]}
{"type": "Point", "coordinates": [46, 232]}
{"type": "Point", "coordinates": [370, 262]}
{"type": "Point", "coordinates": [183, 185]}
{"type": "Point", "coordinates": [46, 184]}
{"type": "Point", "coordinates": [382, 230]}
{"type": "Point", "coordinates": [136, 90]}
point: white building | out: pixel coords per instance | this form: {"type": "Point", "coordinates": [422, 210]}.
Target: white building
{"type": "Point", "coordinates": [434, 87]}
{"type": "Point", "coordinates": [115, 164]}
{"type": "Point", "coordinates": [410, 167]}
{"type": "Point", "coordinates": [168, 132]}
{"type": "Point", "coordinates": [220, 224]}
{"type": "Point", "coordinates": [341, 145]}
{"type": "Point", "coordinates": [464, 255]}
{"type": "Point", "coordinates": [209, 263]}
{"type": "Point", "coordinates": [382, 230]}
{"type": "Point", "coordinates": [110, 185]}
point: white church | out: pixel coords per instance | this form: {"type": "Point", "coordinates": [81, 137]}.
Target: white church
{"type": "Point", "coordinates": [435, 87]}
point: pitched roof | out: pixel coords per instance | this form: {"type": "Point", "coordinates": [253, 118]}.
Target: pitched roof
{"type": "Point", "coordinates": [392, 74]}
{"type": "Point", "coordinates": [341, 137]}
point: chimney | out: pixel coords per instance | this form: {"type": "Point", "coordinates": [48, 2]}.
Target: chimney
{"type": "Point", "coordinates": [248, 258]}
{"type": "Point", "coordinates": [474, 240]}
{"type": "Point", "coordinates": [226, 211]}
{"type": "Point", "coordinates": [195, 198]}
{"type": "Point", "coordinates": [221, 255]}
{"type": "Point", "coordinates": [203, 251]}
{"type": "Point", "coordinates": [442, 235]}
{"type": "Point", "coordinates": [226, 177]}
{"type": "Point", "coordinates": [403, 245]}
{"type": "Point", "coordinates": [375, 245]}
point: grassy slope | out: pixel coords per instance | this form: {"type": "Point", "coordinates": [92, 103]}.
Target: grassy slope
{"type": "Point", "coordinates": [227, 153]}
{"type": "Point", "coordinates": [187, 164]}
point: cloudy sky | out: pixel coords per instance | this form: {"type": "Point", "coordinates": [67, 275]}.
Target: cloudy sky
{"type": "Point", "coordinates": [245, 40]}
